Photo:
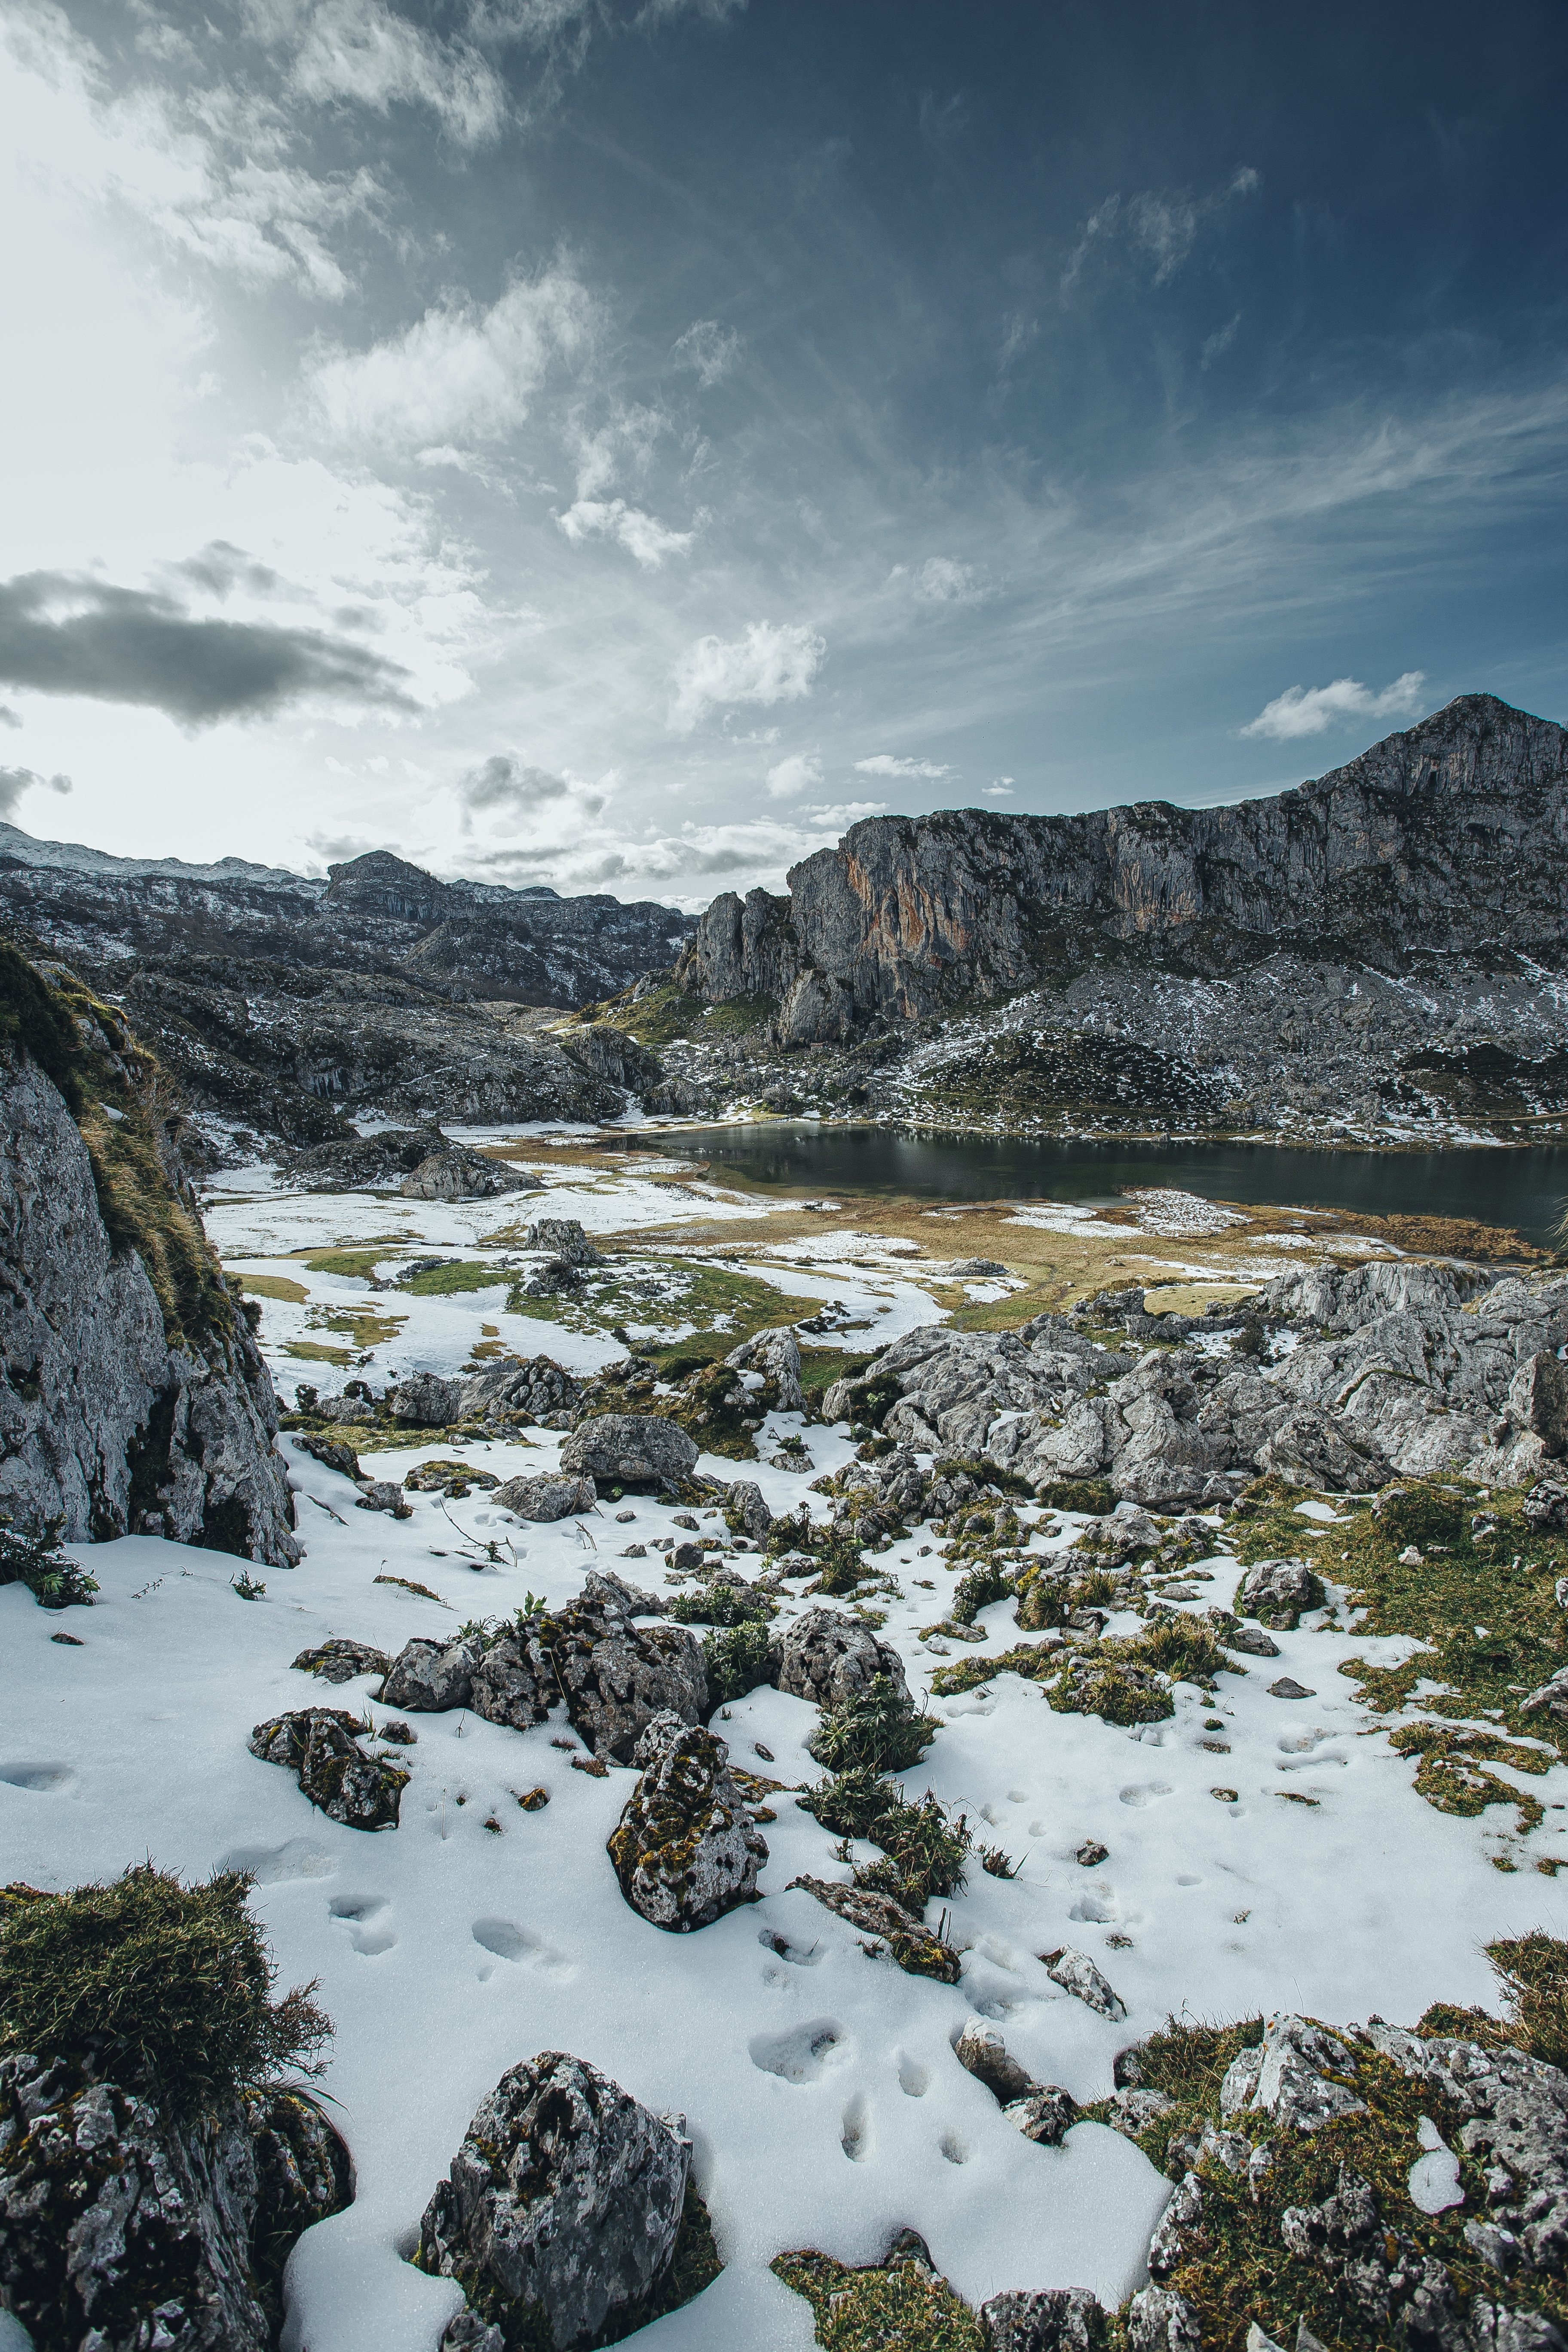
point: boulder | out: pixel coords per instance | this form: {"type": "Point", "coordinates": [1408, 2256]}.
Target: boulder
{"type": "Point", "coordinates": [545, 1497]}
{"type": "Point", "coordinates": [829, 1659]}
{"type": "Point", "coordinates": [1158, 2321]}
{"type": "Point", "coordinates": [981, 2052]}
{"type": "Point", "coordinates": [122, 2229]}
{"type": "Point", "coordinates": [603, 1589]}
{"type": "Point", "coordinates": [1288, 2076]}
{"type": "Point", "coordinates": [429, 1677]}
{"type": "Point", "coordinates": [1077, 1974]}
{"type": "Point", "coordinates": [685, 1850]}
{"type": "Point", "coordinates": [536, 1387]}
{"type": "Point", "coordinates": [455, 1174]}
{"type": "Point", "coordinates": [340, 1661]}
{"type": "Point", "coordinates": [384, 1495]}
{"type": "Point", "coordinates": [319, 1745]}
{"type": "Point", "coordinates": [617, 1676]}
{"type": "Point", "coordinates": [510, 1683]}
{"type": "Point", "coordinates": [1044, 2319]}
{"type": "Point", "coordinates": [562, 1238]}
{"type": "Point", "coordinates": [331, 1453]}
{"type": "Point", "coordinates": [631, 1449]}
{"type": "Point", "coordinates": [562, 2206]}
{"type": "Point", "coordinates": [1277, 1590]}
{"type": "Point", "coordinates": [1045, 2114]}
{"type": "Point", "coordinates": [425, 1400]}
{"type": "Point", "coordinates": [775, 1354]}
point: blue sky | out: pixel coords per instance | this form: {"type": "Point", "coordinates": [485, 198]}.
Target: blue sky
{"type": "Point", "coordinates": [616, 444]}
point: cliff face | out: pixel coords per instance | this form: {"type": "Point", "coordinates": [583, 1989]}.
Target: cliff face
{"type": "Point", "coordinates": [1451, 837]}
{"type": "Point", "coordinates": [132, 1397]}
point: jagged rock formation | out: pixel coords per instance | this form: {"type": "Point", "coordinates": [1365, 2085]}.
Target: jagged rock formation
{"type": "Point", "coordinates": [133, 1398]}
{"type": "Point", "coordinates": [685, 1850]}
{"type": "Point", "coordinates": [277, 1000]}
{"type": "Point", "coordinates": [1370, 944]}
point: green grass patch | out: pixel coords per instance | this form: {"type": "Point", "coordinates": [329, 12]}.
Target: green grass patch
{"type": "Point", "coordinates": [447, 1281]}
{"type": "Point", "coordinates": [897, 2306]}
{"type": "Point", "coordinates": [359, 1262]}
{"type": "Point", "coordinates": [273, 1286]}
{"type": "Point", "coordinates": [165, 1985]}
{"type": "Point", "coordinates": [52, 1578]}
{"type": "Point", "coordinates": [878, 1729]}
{"type": "Point", "coordinates": [1033, 1661]}
{"type": "Point", "coordinates": [316, 1351]}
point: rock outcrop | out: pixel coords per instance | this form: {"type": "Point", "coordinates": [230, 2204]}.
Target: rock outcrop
{"type": "Point", "coordinates": [830, 1659]}
{"type": "Point", "coordinates": [685, 1850]}
{"type": "Point", "coordinates": [631, 1449]}
{"type": "Point", "coordinates": [319, 1746]}
{"type": "Point", "coordinates": [133, 1398]}
{"type": "Point", "coordinates": [562, 2209]}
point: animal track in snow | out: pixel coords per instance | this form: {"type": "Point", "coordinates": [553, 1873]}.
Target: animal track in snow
{"type": "Point", "coordinates": [368, 1920]}
{"type": "Point", "coordinates": [914, 2080]}
{"type": "Point", "coordinates": [800, 2055]}
{"type": "Point", "coordinates": [1144, 1792]}
{"type": "Point", "coordinates": [1096, 1907]}
{"type": "Point", "coordinates": [45, 1778]}
{"type": "Point", "coordinates": [268, 1865]}
{"type": "Point", "coordinates": [855, 2134]}
{"type": "Point", "coordinates": [955, 2149]}
{"type": "Point", "coordinates": [508, 1941]}
{"type": "Point", "coordinates": [800, 1956]}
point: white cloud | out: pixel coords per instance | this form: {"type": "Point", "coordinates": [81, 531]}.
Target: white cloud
{"type": "Point", "coordinates": [800, 772]}
{"type": "Point", "coordinates": [709, 348]}
{"type": "Point", "coordinates": [459, 373]}
{"type": "Point", "coordinates": [771, 662]}
{"type": "Point", "coordinates": [940, 581]}
{"type": "Point", "coordinates": [1311, 710]}
{"type": "Point", "coordinates": [642, 535]}
{"type": "Point", "coordinates": [885, 763]}
{"type": "Point", "coordinates": [1162, 229]}
{"type": "Point", "coordinates": [362, 51]}
{"type": "Point", "coordinates": [1002, 790]}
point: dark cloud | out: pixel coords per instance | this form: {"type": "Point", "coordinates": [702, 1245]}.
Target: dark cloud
{"type": "Point", "coordinates": [9, 717]}
{"type": "Point", "coordinates": [221, 566]}
{"type": "Point", "coordinates": [505, 782]}
{"type": "Point", "coordinates": [15, 782]}
{"type": "Point", "coordinates": [62, 634]}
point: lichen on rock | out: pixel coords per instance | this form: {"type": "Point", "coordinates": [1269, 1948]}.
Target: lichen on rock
{"type": "Point", "coordinates": [685, 1849]}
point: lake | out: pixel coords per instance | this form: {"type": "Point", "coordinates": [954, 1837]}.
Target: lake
{"type": "Point", "coordinates": [1527, 1189]}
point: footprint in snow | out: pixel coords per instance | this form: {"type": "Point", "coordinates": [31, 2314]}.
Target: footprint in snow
{"type": "Point", "coordinates": [799, 2057]}
{"type": "Point", "coordinates": [855, 2131]}
{"type": "Point", "coordinates": [368, 1918]}
{"type": "Point", "coordinates": [914, 2080]}
{"type": "Point", "coordinates": [508, 1941]}
{"type": "Point", "coordinates": [1145, 1792]}
{"type": "Point", "coordinates": [51, 1779]}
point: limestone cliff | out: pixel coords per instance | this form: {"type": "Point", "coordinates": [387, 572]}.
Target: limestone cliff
{"type": "Point", "coordinates": [1452, 838]}
{"type": "Point", "coordinates": [133, 1398]}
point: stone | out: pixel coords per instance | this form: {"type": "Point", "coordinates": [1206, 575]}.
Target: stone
{"type": "Point", "coordinates": [628, 1449]}
{"type": "Point", "coordinates": [603, 1589]}
{"type": "Point", "coordinates": [1047, 2319]}
{"type": "Point", "coordinates": [775, 1354]}
{"type": "Point", "coordinates": [384, 1495]}
{"type": "Point", "coordinates": [981, 2052]}
{"type": "Point", "coordinates": [1091, 1854]}
{"type": "Point", "coordinates": [1287, 1687]}
{"type": "Point", "coordinates": [562, 1238]}
{"type": "Point", "coordinates": [330, 1452]}
{"type": "Point", "coordinates": [1045, 2114]}
{"type": "Point", "coordinates": [319, 1745]}
{"type": "Point", "coordinates": [467, 2332]}
{"type": "Point", "coordinates": [455, 1174]}
{"type": "Point", "coordinates": [1077, 1974]}
{"type": "Point", "coordinates": [429, 1677]}
{"type": "Point", "coordinates": [507, 1684]}
{"type": "Point", "coordinates": [685, 1850]}
{"type": "Point", "coordinates": [545, 1499]}
{"type": "Point", "coordinates": [1184, 2212]}
{"type": "Point", "coordinates": [616, 1678]}
{"type": "Point", "coordinates": [1286, 2076]}
{"type": "Point", "coordinates": [908, 1940]}
{"type": "Point", "coordinates": [1545, 1507]}
{"type": "Point", "coordinates": [1550, 1698]}
{"type": "Point", "coordinates": [153, 2232]}
{"type": "Point", "coordinates": [425, 1400]}
{"type": "Point", "coordinates": [341, 1661]}
{"type": "Point", "coordinates": [562, 2205]}
{"type": "Point", "coordinates": [1251, 1641]}
{"type": "Point", "coordinates": [745, 1510]}
{"type": "Point", "coordinates": [1158, 2321]}
{"type": "Point", "coordinates": [829, 1659]}
{"type": "Point", "coordinates": [534, 1388]}
{"type": "Point", "coordinates": [448, 1476]}
{"type": "Point", "coordinates": [1278, 1590]}
{"type": "Point", "coordinates": [1133, 2110]}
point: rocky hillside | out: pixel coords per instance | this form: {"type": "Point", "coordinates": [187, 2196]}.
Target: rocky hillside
{"type": "Point", "coordinates": [133, 1398]}
{"type": "Point", "coordinates": [280, 1003]}
{"type": "Point", "coordinates": [1385, 944]}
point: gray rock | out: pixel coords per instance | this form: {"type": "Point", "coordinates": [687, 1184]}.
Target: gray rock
{"type": "Point", "coordinates": [340, 1661]}
{"type": "Point", "coordinates": [535, 1388]}
{"type": "Point", "coordinates": [318, 1743]}
{"type": "Point", "coordinates": [384, 1495]}
{"type": "Point", "coordinates": [122, 2230]}
{"type": "Point", "coordinates": [685, 1850]}
{"type": "Point", "coordinates": [629, 1449]}
{"type": "Point", "coordinates": [507, 1685]}
{"type": "Point", "coordinates": [1045, 2114]}
{"type": "Point", "coordinates": [1550, 1698]}
{"type": "Point", "coordinates": [457, 1173]}
{"type": "Point", "coordinates": [1132, 2111]}
{"type": "Point", "coordinates": [1545, 1506]}
{"type": "Point", "coordinates": [617, 1676]}
{"type": "Point", "coordinates": [981, 2052]}
{"type": "Point", "coordinates": [115, 1418]}
{"type": "Point", "coordinates": [1077, 1974]}
{"type": "Point", "coordinates": [429, 1677]}
{"type": "Point", "coordinates": [1184, 2212]}
{"type": "Point", "coordinates": [1049, 2319]}
{"type": "Point", "coordinates": [828, 1658]}
{"type": "Point", "coordinates": [563, 1237]}
{"type": "Point", "coordinates": [1158, 2321]}
{"type": "Point", "coordinates": [467, 2332]}
{"type": "Point", "coordinates": [1252, 1641]}
{"type": "Point", "coordinates": [1495, 2329]}
{"type": "Point", "coordinates": [1278, 1590]}
{"type": "Point", "coordinates": [775, 1354]}
{"type": "Point", "coordinates": [1286, 2076]}
{"type": "Point", "coordinates": [425, 1400]}
{"type": "Point", "coordinates": [543, 1497]}
{"type": "Point", "coordinates": [603, 1589]}
{"type": "Point", "coordinates": [745, 1510]}
{"type": "Point", "coordinates": [563, 2203]}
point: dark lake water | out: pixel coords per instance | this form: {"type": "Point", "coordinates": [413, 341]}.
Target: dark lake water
{"type": "Point", "coordinates": [1527, 1189]}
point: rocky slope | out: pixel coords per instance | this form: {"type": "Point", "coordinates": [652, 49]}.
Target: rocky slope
{"type": "Point", "coordinates": [1385, 944]}
{"type": "Point", "coordinates": [132, 1395]}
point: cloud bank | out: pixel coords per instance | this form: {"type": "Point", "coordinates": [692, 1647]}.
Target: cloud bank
{"type": "Point", "coordinates": [1312, 710]}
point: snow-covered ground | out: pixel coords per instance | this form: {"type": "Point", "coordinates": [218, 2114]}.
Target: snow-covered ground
{"type": "Point", "coordinates": [824, 2100]}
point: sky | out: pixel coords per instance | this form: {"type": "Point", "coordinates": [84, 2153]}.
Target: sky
{"type": "Point", "coordinates": [616, 444]}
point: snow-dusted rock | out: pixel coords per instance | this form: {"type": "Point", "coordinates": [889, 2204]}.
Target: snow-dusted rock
{"type": "Point", "coordinates": [563, 1237]}
{"type": "Point", "coordinates": [1075, 1973]}
{"type": "Point", "coordinates": [428, 1677]}
{"type": "Point", "coordinates": [561, 2205]}
{"type": "Point", "coordinates": [981, 2052]}
{"type": "Point", "coordinates": [603, 1589]}
{"type": "Point", "coordinates": [1043, 2319]}
{"type": "Point", "coordinates": [829, 1658]}
{"type": "Point", "coordinates": [384, 1495]}
{"type": "Point", "coordinates": [425, 1400]}
{"type": "Point", "coordinates": [774, 1353]}
{"type": "Point", "coordinates": [685, 1851]}
{"type": "Point", "coordinates": [115, 1418]}
{"type": "Point", "coordinates": [318, 1744]}
{"type": "Point", "coordinates": [1045, 2114]}
{"type": "Point", "coordinates": [457, 1173]}
{"type": "Point", "coordinates": [507, 1684]}
{"type": "Point", "coordinates": [631, 1449]}
{"type": "Point", "coordinates": [543, 1497]}
{"type": "Point", "coordinates": [1277, 1590]}
{"type": "Point", "coordinates": [1288, 2075]}
{"type": "Point", "coordinates": [341, 1661]}
{"type": "Point", "coordinates": [617, 1676]}
{"type": "Point", "coordinates": [122, 2230]}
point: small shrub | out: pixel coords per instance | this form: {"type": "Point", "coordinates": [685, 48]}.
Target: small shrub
{"type": "Point", "coordinates": [166, 1986]}
{"type": "Point", "coordinates": [842, 1567]}
{"type": "Point", "coordinates": [721, 1604]}
{"type": "Point", "coordinates": [738, 1659]}
{"type": "Point", "coordinates": [53, 1580]}
{"type": "Point", "coordinates": [997, 1862]}
{"type": "Point", "coordinates": [1093, 1496]}
{"type": "Point", "coordinates": [853, 1802]}
{"type": "Point", "coordinates": [1532, 1972]}
{"type": "Point", "coordinates": [984, 1583]}
{"type": "Point", "coordinates": [1179, 1647]}
{"type": "Point", "coordinates": [898, 2302]}
{"type": "Point", "coordinates": [878, 1728]}
{"type": "Point", "coordinates": [247, 1586]}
